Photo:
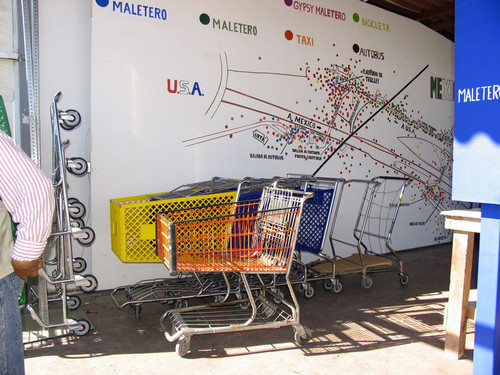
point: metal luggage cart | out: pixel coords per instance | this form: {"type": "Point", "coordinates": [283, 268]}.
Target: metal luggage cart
{"type": "Point", "coordinates": [178, 291]}
{"type": "Point", "coordinates": [373, 228]}
{"type": "Point", "coordinates": [245, 242]}
{"type": "Point", "coordinates": [62, 265]}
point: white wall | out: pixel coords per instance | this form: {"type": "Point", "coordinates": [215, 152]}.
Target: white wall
{"type": "Point", "coordinates": [64, 39]}
{"type": "Point", "coordinates": [114, 66]}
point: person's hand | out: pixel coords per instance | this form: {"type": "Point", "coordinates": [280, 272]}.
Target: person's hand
{"type": "Point", "coordinates": [25, 269]}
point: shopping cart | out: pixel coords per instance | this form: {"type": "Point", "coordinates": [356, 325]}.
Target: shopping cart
{"type": "Point", "coordinates": [319, 214]}
{"type": "Point", "coordinates": [247, 241]}
{"type": "Point", "coordinates": [218, 193]}
{"type": "Point", "coordinates": [372, 232]}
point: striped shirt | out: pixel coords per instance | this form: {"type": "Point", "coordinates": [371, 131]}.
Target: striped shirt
{"type": "Point", "coordinates": [28, 195]}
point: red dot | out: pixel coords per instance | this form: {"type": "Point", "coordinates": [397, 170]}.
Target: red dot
{"type": "Point", "coordinates": [288, 35]}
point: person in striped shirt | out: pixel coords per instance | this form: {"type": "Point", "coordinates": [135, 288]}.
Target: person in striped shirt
{"type": "Point", "coordinates": [26, 198]}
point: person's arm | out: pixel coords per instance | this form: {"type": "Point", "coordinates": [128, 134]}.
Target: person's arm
{"type": "Point", "coordinates": [28, 195]}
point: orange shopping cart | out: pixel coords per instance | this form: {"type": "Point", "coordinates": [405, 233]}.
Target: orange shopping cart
{"type": "Point", "coordinates": [256, 238]}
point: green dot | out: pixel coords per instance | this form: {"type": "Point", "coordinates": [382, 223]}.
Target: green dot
{"type": "Point", "coordinates": [204, 19]}
{"type": "Point", "coordinates": [355, 17]}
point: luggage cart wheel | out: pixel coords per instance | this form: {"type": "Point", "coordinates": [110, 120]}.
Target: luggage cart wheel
{"type": "Point", "coordinates": [73, 302]}
{"type": "Point", "coordinates": [403, 278]}
{"type": "Point", "coordinates": [87, 238]}
{"type": "Point", "coordinates": [137, 311]}
{"type": "Point", "coordinates": [182, 346]}
{"type": "Point", "coordinates": [335, 285]}
{"type": "Point", "coordinates": [308, 291]}
{"type": "Point", "coordinates": [91, 284]}
{"type": "Point", "coordinates": [77, 166]}
{"type": "Point", "coordinates": [79, 265]}
{"type": "Point", "coordinates": [70, 119]}
{"type": "Point", "coordinates": [366, 282]}
{"type": "Point", "coordinates": [82, 329]}
{"type": "Point", "coordinates": [76, 208]}
{"type": "Point", "coordinates": [328, 284]}
{"type": "Point", "coordinates": [305, 337]}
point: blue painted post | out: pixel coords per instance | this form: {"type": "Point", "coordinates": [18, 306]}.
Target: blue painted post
{"type": "Point", "coordinates": [476, 164]}
{"type": "Point", "coordinates": [487, 339]}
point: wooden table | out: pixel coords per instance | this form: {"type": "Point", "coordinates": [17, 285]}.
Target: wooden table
{"type": "Point", "coordinates": [464, 223]}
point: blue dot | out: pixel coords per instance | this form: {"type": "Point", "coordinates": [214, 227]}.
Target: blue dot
{"type": "Point", "coordinates": [102, 3]}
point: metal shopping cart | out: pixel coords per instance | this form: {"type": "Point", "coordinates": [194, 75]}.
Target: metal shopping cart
{"type": "Point", "coordinates": [217, 193]}
{"type": "Point", "coordinates": [372, 232]}
{"type": "Point", "coordinates": [319, 214]}
{"type": "Point", "coordinates": [245, 242]}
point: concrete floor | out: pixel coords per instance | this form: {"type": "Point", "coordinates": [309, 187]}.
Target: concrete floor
{"type": "Point", "coordinates": [387, 329]}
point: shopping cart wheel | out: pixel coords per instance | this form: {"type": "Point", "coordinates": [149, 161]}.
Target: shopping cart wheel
{"type": "Point", "coordinates": [70, 119]}
{"type": "Point", "coordinates": [281, 295]}
{"type": "Point", "coordinates": [88, 238]}
{"type": "Point", "coordinates": [308, 291]}
{"type": "Point", "coordinates": [91, 284]}
{"type": "Point", "coordinates": [180, 303]}
{"type": "Point", "coordinates": [367, 282]}
{"type": "Point", "coordinates": [303, 339]}
{"type": "Point", "coordinates": [182, 346]}
{"type": "Point", "coordinates": [82, 329]}
{"type": "Point", "coordinates": [73, 302]}
{"type": "Point", "coordinates": [243, 305]}
{"type": "Point", "coordinates": [403, 278]}
{"type": "Point", "coordinates": [77, 166]}
{"type": "Point", "coordinates": [79, 265]}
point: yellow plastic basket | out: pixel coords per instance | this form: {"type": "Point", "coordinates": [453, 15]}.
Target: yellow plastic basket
{"type": "Point", "coordinates": [133, 222]}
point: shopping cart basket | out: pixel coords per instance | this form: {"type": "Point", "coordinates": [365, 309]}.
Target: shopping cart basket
{"type": "Point", "coordinates": [244, 242]}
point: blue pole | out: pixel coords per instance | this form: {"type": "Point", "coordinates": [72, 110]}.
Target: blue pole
{"type": "Point", "coordinates": [487, 336]}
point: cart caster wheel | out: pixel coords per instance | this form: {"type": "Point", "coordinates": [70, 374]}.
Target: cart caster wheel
{"type": "Point", "coordinates": [308, 291]}
{"type": "Point", "coordinates": [77, 166]}
{"type": "Point", "coordinates": [403, 278]}
{"type": "Point", "coordinates": [76, 208]}
{"type": "Point", "coordinates": [70, 119]}
{"type": "Point", "coordinates": [218, 299]}
{"type": "Point", "coordinates": [91, 284]}
{"type": "Point", "coordinates": [303, 340]}
{"type": "Point", "coordinates": [89, 237]}
{"type": "Point", "coordinates": [182, 346]}
{"type": "Point", "coordinates": [181, 303]}
{"type": "Point", "coordinates": [337, 286]}
{"type": "Point", "coordinates": [77, 223]}
{"type": "Point", "coordinates": [367, 282]}
{"type": "Point", "coordinates": [137, 311]}
{"type": "Point", "coordinates": [328, 284]}
{"type": "Point", "coordinates": [79, 265]}
{"type": "Point", "coordinates": [279, 293]}
{"type": "Point", "coordinates": [300, 288]}
{"type": "Point", "coordinates": [82, 329]}
{"type": "Point", "coordinates": [73, 302]}
{"type": "Point", "coordinates": [246, 305]}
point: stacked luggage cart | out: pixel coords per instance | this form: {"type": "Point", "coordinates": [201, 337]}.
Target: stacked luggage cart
{"type": "Point", "coordinates": [253, 238]}
{"type": "Point", "coordinates": [60, 273]}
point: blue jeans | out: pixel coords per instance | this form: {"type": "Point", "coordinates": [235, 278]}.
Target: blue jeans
{"type": "Point", "coordinates": [11, 332]}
